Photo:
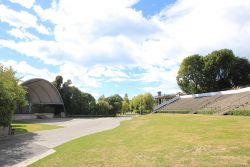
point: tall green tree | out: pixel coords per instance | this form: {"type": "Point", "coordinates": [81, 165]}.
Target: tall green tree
{"type": "Point", "coordinates": [103, 108]}
{"type": "Point", "coordinates": [11, 94]}
{"type": "Point", "coordinates": [58, 82]}
{"type": "Point", "coordinates": [66, 94]}
{"type": "Point", "coordinates": [75, 101]}
{"type": "Point", "coordinates": [216, 71]}
{"type": "Point", "coordinates": [102, 97]}
{"type": "Point", "coordinates": [137, 103]}
{"type": "Point", "coordinates": [143, 103]}
{"type": "Point", "coordinates": [190, 76]}
{"type": "Point", "coordinates": [125, 104]}
{"type": "Point", "coordinates": [80, 103]}
{"type": "Point", "coordinates": [111, 105]}
{"type": "Point", "coordinates": [116, 102]}
{"type": "Point", "coordinates": [148, 102]}
{"type": "Point", "coordinates": [219, 69]}
{"type": "Point", "coordinates": [241, 72]}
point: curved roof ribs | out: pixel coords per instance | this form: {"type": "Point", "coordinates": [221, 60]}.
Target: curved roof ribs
{"type": "Point", "coordinates": [42, 91]}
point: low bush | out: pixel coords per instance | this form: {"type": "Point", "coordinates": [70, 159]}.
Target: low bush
{"type": "Point", "coordinates": [206, 111]}
{"type": "Point", "coordinates": [136, 111]}
{"type": "Point", "coordinates": [241, 112]}
{"type": "Point", "coordinates": [6, 113]}
{"type": "Point", "coordinates": [175, 111]}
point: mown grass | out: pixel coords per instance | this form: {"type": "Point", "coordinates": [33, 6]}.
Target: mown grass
{"type": "Point", "coordinates": [161, 140]}
{"type": "Point", "coordinates": [24, 127]}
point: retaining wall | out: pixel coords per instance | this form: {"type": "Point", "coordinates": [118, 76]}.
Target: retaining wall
{"type": "Point", "coordinates": [217, 93]}
{"type": "Point", "coordinates": [31, 116]}
{"type": "Point", "coordinates": [4, 131]}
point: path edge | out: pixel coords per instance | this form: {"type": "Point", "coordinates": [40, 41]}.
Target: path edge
{"type": "Point", "coordinates": [34, 159]}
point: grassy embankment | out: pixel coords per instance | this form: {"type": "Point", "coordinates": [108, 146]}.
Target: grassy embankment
{"type": "Point", "coordinates": [161, 140]}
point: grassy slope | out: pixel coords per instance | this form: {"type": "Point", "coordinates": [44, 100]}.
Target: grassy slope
{"type": "Point", "coordinates": [161, 140]}
{"type": "Point", "coordinates": [23, 127]}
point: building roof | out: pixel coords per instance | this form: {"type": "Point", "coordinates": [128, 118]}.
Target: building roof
{"type": "Point", "coordinates": [41, 91]}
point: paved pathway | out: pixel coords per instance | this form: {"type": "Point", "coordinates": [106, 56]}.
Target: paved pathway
{"type": "Point", "coordinates": [16, 149]}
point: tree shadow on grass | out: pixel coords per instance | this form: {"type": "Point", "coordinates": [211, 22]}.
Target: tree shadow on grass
{"type": "Point", "coordinates": [19, 130]}
{"type": "Point", "coordinates": [15, 149]}
{"type": "Point", "coordinates": [20, 127]}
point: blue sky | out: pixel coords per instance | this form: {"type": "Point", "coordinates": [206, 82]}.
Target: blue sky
{"type": "Point", "coordinates": [117, 46]}
{"type": "Point", "coordinates": [152, 7]}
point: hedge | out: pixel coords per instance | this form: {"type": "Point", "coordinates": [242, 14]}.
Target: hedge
{"type": "Point", "coordinates": [175, 111]}
{"type": "Point", "coordinates": [240, 112]}
{"type": "Point", "coordinates": [206, 111]}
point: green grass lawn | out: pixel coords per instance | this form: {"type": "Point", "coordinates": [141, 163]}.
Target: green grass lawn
{"type": "Point", "coordinates": [24, 127]}
{"type": "Point", "coordinates": [161, 140]}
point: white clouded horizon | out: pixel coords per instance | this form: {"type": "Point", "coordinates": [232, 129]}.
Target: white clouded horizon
{"type": "Point", "coordinates": [94, 43]}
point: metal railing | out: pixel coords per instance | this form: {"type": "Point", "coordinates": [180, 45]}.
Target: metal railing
{"type": "Point", "coordinates": [165, 103]}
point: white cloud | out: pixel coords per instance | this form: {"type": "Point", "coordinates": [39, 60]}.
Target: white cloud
{"type": "Point", "coordinates": [206, 25]}
{"type": "Point", "coordinates": [117, 33]}
{"type": "Point", "coordinates": [26, 71]}
{"type": "Point", "coordinates": [22, 34]}
{"type": "Point", "coordinates": [107, 72]}
{"type": "Point", "coordinates": [166, 79]}
{"type": "Point", "coordinates": [68, 71]}
{"type": "Point", "coordinates": [158, 74]}
{"type": "Point", "coordinates": [93, 35]}
{"type": "Point", "coordinates": [107, 33]}
{"type": "Point", "coordinates": [21, 19]}
{"type": "Point", "coordinates": [78, 75]}
{"type": "Point", "coordinates": [39, 49]}
{"type": "Point", "coordinates": [24, 3]}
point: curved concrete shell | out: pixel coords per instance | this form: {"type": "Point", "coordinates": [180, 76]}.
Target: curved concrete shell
{"type": "Point", "coordinates": [41, 91]}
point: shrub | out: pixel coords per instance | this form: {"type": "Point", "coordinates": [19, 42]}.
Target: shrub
{"type": "Point", "coordinates": [206, 111]}
{"type": "Point", "coordinates": [136, 111]}
{"type": "Point", "coordinates": [241, 112]}
{"type": "Point", "coordinates": [11, 94]}
{"type": "Point", "coordinates": [7, 108]}
{"type": "Point", "coordinates": [175, 111]}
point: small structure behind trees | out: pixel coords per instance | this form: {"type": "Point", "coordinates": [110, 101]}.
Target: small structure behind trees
{"type": "Point", "coordinates": [160, 98]}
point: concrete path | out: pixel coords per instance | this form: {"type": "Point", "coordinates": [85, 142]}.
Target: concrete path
{"type": "Point", "coordinates": [17, 149]}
